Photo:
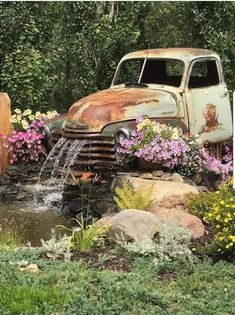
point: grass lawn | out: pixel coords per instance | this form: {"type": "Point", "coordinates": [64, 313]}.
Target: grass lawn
{"type": "Point", "coordinates": [69, 288]}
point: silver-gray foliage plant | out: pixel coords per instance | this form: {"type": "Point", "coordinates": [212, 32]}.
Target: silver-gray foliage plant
{"type": "Point", "coordinates": [59, 246]}
{"type": "Point", "coordinates": [172, 244]}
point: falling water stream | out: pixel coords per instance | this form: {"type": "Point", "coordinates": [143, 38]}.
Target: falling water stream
{"type": "Point", "coordinates": [38, 217]}
{"type": "Point", "coordinates": [64, 154]}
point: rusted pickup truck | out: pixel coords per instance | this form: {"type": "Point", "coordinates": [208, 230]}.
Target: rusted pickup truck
{"type": "Point", "coordinates": [177, 86]}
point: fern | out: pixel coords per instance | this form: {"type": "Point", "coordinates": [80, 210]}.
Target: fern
{"type": "Point", "coordinates": [128, 198]}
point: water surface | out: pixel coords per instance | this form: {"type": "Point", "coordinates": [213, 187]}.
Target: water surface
{"type": "Point", "coordinates": [35, 221]}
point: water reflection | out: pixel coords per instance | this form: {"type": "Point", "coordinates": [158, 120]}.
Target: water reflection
{"type": "Point", "coordinates": [36, 221]}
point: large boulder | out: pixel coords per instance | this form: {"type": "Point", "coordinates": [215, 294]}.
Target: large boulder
{"type": "Point", "coordinates": [131, 224]}
{"type": "Point", "coordinates": [184, 219]}
{"type": "Point", "coordinates": [164, 193]}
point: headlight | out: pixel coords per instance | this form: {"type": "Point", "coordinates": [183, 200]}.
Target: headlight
{"type": "Point", "coordinates": [45, 131]}
{"type": "Point", "coordinates": [122, 134]}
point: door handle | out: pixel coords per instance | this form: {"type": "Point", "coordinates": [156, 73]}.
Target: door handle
{"type": "Point", "coordinates": [224, 94]}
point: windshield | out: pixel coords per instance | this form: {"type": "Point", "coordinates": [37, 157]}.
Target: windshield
{"type": "Point", "coordinates": [147, 71]}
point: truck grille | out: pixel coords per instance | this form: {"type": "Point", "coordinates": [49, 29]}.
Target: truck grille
{"type": "Point", "coordinates": [98, 152]}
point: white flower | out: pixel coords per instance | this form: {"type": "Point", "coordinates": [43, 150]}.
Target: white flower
{"type": "Point", "coordinates": [27, 112]}
{"type": "Point", "coordinates": [38, 114]}
{"type": "Point", "coordinates": [17, 111]}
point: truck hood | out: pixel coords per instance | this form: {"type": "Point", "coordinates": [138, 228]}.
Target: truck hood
{"type": "Point", "coordinates": [120, 103]}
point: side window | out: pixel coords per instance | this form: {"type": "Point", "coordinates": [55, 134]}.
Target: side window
{"type": "Point", "coordinates": [130, 71]}
{"type": "Point", "coordinates": [204, 73]}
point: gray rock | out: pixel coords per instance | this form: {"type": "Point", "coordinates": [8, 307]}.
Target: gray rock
{"type": "Point", "coordinates": [21, 196]}
{"type": "Point", "coordinates": [146, 175]}
{"type": "Point", "coordinates": [184, 219]}
{"type": "Point", "coordinates": [164, 193]}
{"type": "Point", "coordinates": [175, 177]}
{"type": "Point", "coordinates": [202, 189]}
{"type": "Point", "coordinates": [157, 173]}
{"type": "Point", "coordinates": [131, 224]}
{"type": "Point", "coordinates": [166, 176]}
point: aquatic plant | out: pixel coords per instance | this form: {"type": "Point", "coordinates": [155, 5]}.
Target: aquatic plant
{"type": "Point", "coordinates": [11, 235]}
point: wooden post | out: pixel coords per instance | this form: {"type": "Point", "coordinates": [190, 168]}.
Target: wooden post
{"type": "Point", "coordinates": [5, 129]}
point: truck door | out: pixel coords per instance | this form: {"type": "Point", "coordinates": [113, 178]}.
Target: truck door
{"type": "Point", "coordinates": [208, 101]}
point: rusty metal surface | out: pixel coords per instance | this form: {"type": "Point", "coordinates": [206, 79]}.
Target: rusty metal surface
{"type": "Point", "coordinates": [183, 54]}
{"type": "Point", "coordinates": [203, 110]}
{"type": "Point", "coordinates": [118, 104]}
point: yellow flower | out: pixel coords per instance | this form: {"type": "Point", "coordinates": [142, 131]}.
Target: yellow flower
{"type": "Point", "coordinates": [232, 238]}
{"type": "Point", "coordinates": [222, 202]}
{"type": "Point", "coordinates": [218, 217]}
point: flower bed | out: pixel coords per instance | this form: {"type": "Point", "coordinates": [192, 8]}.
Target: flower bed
{"type": "Point", "coordinates": [25, 143]}
{"type": "Point", "coordinates": [174, 150]}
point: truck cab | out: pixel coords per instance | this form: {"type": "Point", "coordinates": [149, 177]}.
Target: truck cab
{"type": "Point", "coordinates": [179, 86]}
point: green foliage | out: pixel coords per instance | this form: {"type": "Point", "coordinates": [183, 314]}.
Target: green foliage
{"type": "Point", "coordinates": [128, 198]}
{"type": "Point", "coordinates": [11, 235]}
{"type": "Point", "coordinates": [25, 75]}
{"type": "Point", "coordinates": [74, 288]}
{"type": "Point", "coordinates": [85, 238]}
{"type": "Point", "coordinates": [218, 210]}
{"type": "Point", "coordinates": [27, 57]}
{"type": "Point", "coordinates": [54, 53]}
{"type": "Point", "coordinates": [221, 217]}
{"type": "Point", "coordinates": [201, 203]}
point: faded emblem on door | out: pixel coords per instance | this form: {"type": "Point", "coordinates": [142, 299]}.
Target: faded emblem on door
{"type": "Point", "coordinates": [211, 119]}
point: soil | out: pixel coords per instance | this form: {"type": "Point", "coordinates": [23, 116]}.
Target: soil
{"type": "Point", "coordinates": [105, 258]}
{"type": "Point", "coordinates": [205, 239]}
{"type": "Point", "coordinates": [99, 258]}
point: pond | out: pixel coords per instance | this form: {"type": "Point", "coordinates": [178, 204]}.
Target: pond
{"type": "Point", "coordinates": [33, 220]}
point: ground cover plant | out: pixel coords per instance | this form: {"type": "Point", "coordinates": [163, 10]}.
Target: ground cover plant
{"type": "Point", "coordinates": [68, 288]}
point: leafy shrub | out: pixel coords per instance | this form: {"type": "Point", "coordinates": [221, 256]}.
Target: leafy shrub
{"type": "Point", "coordinates": [222, 217]}
{"type": "Point", "coordinates": [128, 198]}
{"type": "Point", "coordinates": [201, 203]}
